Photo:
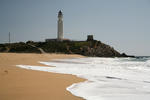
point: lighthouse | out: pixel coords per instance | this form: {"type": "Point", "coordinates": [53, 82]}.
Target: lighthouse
{"type": "Point", "coordinates": [60, 26]}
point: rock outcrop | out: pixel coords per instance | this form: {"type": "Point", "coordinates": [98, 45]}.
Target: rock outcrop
{"type": "Point", "coordinates": [92, 48]}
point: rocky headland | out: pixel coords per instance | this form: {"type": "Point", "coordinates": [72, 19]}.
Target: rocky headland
{"type": "Point", "coordinates": [92, 48]}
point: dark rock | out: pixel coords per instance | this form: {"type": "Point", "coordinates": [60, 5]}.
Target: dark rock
{"type": "Point", "coordinates": [87, 48]}
{"type": "Point", "coordinates": [123, 55]}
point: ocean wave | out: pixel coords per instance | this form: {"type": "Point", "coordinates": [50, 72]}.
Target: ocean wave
{"type": "Point", "coordinates": [107, 78]}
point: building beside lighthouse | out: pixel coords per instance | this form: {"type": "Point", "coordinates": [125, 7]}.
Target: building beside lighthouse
{"type": "Point", "coordinates": [60, 34]}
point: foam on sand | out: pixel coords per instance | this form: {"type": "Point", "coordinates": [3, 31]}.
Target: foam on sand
{"type": "Point", "coordinates": [107, 78]}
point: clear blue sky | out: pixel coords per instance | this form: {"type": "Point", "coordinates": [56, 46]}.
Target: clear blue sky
{"type": "Point", "coordinates": [123, 24]}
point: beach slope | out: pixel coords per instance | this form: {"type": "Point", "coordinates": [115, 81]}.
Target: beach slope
{"type": "Point", "coordinates": [22, 84]}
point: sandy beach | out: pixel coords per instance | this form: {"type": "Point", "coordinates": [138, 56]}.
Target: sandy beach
{"type": "Point", "coordinates": [22, 84]}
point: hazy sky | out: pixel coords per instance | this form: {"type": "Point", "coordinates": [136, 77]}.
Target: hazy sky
{"type": "Point", "coordinates": [123, 24]}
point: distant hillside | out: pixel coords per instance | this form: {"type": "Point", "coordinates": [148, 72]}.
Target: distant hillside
{"type": "Point", "coordinates": [86, 48]}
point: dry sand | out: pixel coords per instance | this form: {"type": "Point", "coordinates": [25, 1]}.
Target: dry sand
{"type": "Point", "coordinates": [22, 84]}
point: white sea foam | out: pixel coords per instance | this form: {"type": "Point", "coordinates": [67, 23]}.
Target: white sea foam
{"type": "Point", "coordinates": [107, 78]}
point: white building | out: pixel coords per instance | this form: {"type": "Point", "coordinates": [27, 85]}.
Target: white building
{"type": "Point", "coordinates": [60, 35]}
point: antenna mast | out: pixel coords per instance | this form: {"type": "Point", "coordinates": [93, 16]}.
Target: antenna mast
{"type": "Point", "coordinates": [9, 37]}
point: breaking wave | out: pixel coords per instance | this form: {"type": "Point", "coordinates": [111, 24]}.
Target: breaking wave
{"type": "Point", "coordinates": [107, 78]}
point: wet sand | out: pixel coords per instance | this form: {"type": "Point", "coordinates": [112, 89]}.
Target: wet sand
{"type": "Point", "coordinates": [22, 84]}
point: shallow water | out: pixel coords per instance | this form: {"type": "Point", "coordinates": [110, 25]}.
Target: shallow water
{"type": "Point", "coordinates": [107, 78]}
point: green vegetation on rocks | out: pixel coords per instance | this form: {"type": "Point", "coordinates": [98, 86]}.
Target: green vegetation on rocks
{"type": "Point", "coordinates": [86, 48]}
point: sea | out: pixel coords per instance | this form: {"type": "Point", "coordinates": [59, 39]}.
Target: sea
{"type": "Point", "coordinates": [106, 78]}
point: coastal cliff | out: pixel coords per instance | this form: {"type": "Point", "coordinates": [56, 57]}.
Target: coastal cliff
{"type": "Point", "coordinates": [87, 48]}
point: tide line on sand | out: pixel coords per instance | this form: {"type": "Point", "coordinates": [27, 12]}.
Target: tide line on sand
{"type": "Point", "coordinates": [107, 78]}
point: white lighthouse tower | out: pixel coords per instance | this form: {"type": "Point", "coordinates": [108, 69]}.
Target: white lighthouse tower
{"type": "Point", "coordinates": [60, 26]}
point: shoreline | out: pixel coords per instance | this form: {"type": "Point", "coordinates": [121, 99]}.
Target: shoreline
{"type": "Point", "coordinates": [23, 84]}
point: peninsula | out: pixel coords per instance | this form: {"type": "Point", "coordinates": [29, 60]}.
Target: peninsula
{"type": "Point", "coordinates": [90, 47]}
